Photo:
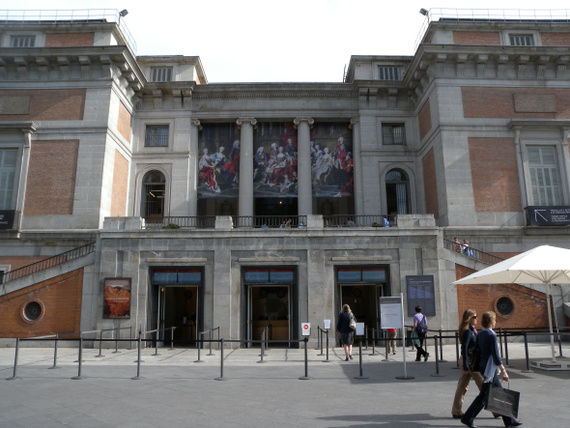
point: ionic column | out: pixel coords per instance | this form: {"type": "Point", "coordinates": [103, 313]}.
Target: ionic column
{"type": "Point", "coordinates": [245, 203]}
{"type": "Point", "coordinates": [304, 177]}
{"type": "Point", "coordinates": [357, 170]}
{"type": "Point", "coordinates": [193, 157]}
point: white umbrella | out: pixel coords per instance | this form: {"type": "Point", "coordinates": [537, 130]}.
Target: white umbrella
{"type": "Point", "coordinates": [542, 265]}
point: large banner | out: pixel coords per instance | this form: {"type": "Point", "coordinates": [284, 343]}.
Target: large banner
{"type": "Point", "coordinates": [117, 298]}
{"type": "Point", "coordinates": [218, 164]}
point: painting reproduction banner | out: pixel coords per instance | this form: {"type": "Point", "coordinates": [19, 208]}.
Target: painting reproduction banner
{"type": "Point", "coordinates": [117, 298]}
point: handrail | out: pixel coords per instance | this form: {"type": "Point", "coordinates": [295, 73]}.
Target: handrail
{"type": "Point", "coordinates": [271, 221]}
{"type": "Point", "coordinates": [481, 256]}
{"type": "Point", "coordinates": [180, 222]}
{"type": "Point", "coordinates": [349, 220]}
{"type": "Point", "coordinates": [48, 262]}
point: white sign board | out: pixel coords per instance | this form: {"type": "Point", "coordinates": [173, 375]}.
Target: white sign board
{"type": "Point", "coordinates": [306, 329]}
{"type": "Point", "coordinates": [391, 312]}
{"type": "Point", "coordinates": [327, 324]}
{"type": "Point", "coordinates": [359, 329]}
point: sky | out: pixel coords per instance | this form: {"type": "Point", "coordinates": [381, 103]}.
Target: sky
{"type": "Point", "coordinates": [272, 40]}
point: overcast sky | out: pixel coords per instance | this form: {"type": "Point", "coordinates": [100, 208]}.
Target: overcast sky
{"type": "Point", "coordinates": [276, 41]}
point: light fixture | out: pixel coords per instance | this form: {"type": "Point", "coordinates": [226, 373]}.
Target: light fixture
{"type": "Point", "coordinates": [424, 12]}
{"type": "Point", "coordinates": [125, 12]}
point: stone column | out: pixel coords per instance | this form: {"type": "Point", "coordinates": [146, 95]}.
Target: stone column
{"type": "Point", "coordinates": [23, 178]}
{"type": "Point", "coordinates": [357, 167]}
{"type": "Point", "coordinates": [304, 176]}
{"type": "Point", "coordinates": [193, 157]}
{"type": "Point", "coordinates": [245, 204]}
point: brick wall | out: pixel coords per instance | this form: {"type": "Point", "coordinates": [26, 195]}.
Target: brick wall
{"type": "Point", "coordinates": [555, 39]}
{"type": "Point", "coordinates": [47, 104]}
{"type": "Point", "coordinates": [120, 179]}
{"type": "Point", "coordinates": [476, 38]}
{"type": "Point", "coordinates": [424, 118]}
{"type": "Point", "coordinates": [529, 305]}
{"type": "Point", "coordinates": [51, 178]}
{"type": "Point", "coordinates": [124, 122]}
{"type": "Point", "coordinates": [16, 262]}
{"type": "Point", "coordinates": [69, 39]}
{"type": "Point", "coordinates": [519, 103]}
{"type": "Point", "coordinates": [430, 184]}
{"type": "Point", "coordinates": [494, 175]}
{"type": "Point", "coordinates": [60, 298]}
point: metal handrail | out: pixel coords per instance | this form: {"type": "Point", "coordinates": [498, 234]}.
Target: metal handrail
{"type": "Point", "coordinates": [271, 221]}
{"type": "Point", "coordinates": [349, 220]}
{"type": "Point", "coordinates": [180, 222]}
{"type": "Point", "coordinates": [48, 263]}
{"type": "Point", "coordinates": [481, 256]}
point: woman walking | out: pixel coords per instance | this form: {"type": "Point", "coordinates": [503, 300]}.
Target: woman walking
{"type": "Point", "coordinates": [344, 331]}
{"type": "Point", "coordinates": [490, 363]}
{"type": "Point", "coordinates": [420, 327]}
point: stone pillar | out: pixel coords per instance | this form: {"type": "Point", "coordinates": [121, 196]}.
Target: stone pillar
{"type": "Point", "coordinates": [357, 170]}
{"type": "Point", "coordinates": [23, 178]}
{"type": "Point", "coordinates": [193, 157]}
{"type": "Point", "coordinates": [245, 205]}
{"type": "Point", "coordinates": [304, 176]}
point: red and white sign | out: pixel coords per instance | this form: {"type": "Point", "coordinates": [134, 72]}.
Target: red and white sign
{"type": "Point", "coordinates": [306, 329]}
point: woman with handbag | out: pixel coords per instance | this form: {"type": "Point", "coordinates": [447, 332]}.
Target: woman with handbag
{"type": "Point", "coordinates": [488, 367]}
{"type": "Point", "coordinates": [344, 330]}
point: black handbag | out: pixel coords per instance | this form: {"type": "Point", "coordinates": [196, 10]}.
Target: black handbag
{"type": "Point", "coordinates": [503, 401]}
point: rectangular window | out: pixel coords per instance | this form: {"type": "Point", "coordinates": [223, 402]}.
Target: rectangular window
{"type": "Point", "coordinates": [156, 136]}
{"type": "Point", "coordinates": [393, 134]}
{"type": "Point", "coordinates": [161, 74]}
{"type": "Point", "coordinates": [521, 39]}
{"type": "Point", "coordinates": [544, 176]}
{"type": "Point", "coordinates": [388, 72]}
{"type": "Point", "coordinates": [8, 159]}
{"type": "Point", "coordinates": [23, 41]}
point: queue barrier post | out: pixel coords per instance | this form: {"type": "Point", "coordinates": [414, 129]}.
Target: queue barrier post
{"type": "Point", "coordinates": [360, 359]}
{"type": "Point", "coordinates": [306, 377]}
{"type": "Point", "coordinates": [138, 376]}
{"type": "Point", "coordinates": [55, 343]}
{"type": "Point", "coordinates": [80, 359]}
{"type": "Point", "coordinates": [436, 374]}
{"type": "Point", "coordinates": [221, 361]}
{"type": "Point", "coordinates": [14, 375]}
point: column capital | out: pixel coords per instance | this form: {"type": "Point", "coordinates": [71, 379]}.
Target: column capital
{"type": "Point", "coordinates": [241, 120]}
{"type": "Point", "coordinates": [196, 123]}
{"type": "Point", "coordinates": [298, 120]}
{"type": "Point", "coordinates": [354, 121]}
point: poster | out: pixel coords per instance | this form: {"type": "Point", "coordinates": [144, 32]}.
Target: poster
{"type": "Point", "coordinates": [117, 298]}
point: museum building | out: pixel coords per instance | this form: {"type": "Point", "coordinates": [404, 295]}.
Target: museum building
{"type": "Point", "coordinates": [136, 194]}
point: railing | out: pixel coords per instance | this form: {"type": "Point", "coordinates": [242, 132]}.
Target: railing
{"type": "Point", "coordinates": [347, 220]}
{"type": "Point", "coordinates": [180, 222]}
{"type": "Point", "coordinates": [473, 253]}
{"type": "Point", "coordinates": [271, 221]}
{"type": "Point", "coordinates": [46, 15]}
{"type": "Point", "coordinates": [48, 263]}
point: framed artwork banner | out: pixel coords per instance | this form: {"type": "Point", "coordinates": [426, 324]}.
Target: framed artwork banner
{"type": "Point", "coordinates": [117, 298]}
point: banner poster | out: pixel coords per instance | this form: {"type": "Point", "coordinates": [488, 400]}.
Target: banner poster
{"type": "Point", "coordinates": [275, 160]}
{"type": "Point", "coordinates": [117, 298]}
{"type": "Point", "coordinates": [218, 162]}
{"type": "Point", "coordinates": [331, 160]}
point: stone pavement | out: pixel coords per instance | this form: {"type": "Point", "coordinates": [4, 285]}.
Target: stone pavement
{"type": "Point", "coordinates": [173, 390]}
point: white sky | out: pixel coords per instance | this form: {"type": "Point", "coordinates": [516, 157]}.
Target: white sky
{"type": "Point", "coordinates": [276, 41]}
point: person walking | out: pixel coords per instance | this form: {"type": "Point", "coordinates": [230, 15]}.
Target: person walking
{"type": "Point", "coordinates": [420, 327]}
{"type": "Point", "coordinates": [392, 340]}
{"type": "Point", "coordinates": [344, 331]}
{"type": "Point", "coordinates": [488, 367]}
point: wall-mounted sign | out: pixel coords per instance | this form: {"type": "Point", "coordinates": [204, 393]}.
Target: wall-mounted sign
{"type": "Point", "coordinates": [548, 216]}
{"type": "Point", "coordinates": [117, 298]}
{"type": "Point", "coordinates": [6, 219]}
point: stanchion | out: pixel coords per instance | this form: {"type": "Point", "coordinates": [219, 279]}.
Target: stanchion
{"type": "Point", "coordinates": [211, 353]}
{"type": "Point", "coordinates": [374, 337]}
{"type": "Point", "coordinates": [138, 376]}
{"type": "Point", "coordinates": [306, 377]}
{"type": "Point", "coordinates": [320, 340]}
{"type": "Point", "coordinates": [526, 357]}
{"type": "Point", "coordinates": [100, 344]}
{"type": "Point", "coordinates": [360, 360]}
{"type": "Point", "coordinates": [117, 334]}
{"type": "Point", "coordinates": [327, 360]}
{"type": "Point", "coordinates": [55, 353]}
{"type": "Point", "coordinates": [80, 359]}
{"type": "Point", "coordinates": [456, 351]}
{"type": "Point", "coordinates": [436, 374]}
{"type": "Point", "coordinates": [221, 362]}
{"type": "Point", "coordinates": [14, 377]}
{"type": "Point", "coordinates": [506, 350]}
{"type": "Point", "coordinates": [199, 343]}
{"type": "Point", "coordinates": [172, 338]}
{"type": "Point", "coordinates": [441, 360]}
{"type": "Point", "coordinates": [156, 343]}
{"type": "Point", "coordinates": [262, 346]}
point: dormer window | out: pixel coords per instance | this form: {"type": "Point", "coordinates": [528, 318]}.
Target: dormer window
{"type": "Point", "coordinates": [161, 74]}
{"type": "Point", "coordinates": [521, 39]}
{"type": "Point", "coordinates": [388, 72]}
{"type": "Point", "coordinates": [23, 41]}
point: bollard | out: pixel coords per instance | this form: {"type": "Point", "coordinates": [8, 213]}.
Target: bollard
{"type": "Point", "coordinates": [436, 374]}
{"type": "Point", "coordinates": [80, 359]}
{"type": "Point", "coordinates": [306, 377]}
{"type": "Point", "coordinates": [221, 362]}
{"type": "Point", "coordinates": [138, 377]}
{"type": "Point", "coordinates": [360, 359]}
{"type": "Point", "coordinates": [55, 353]}
{"type": "Point", "coordinates": [14, 377]}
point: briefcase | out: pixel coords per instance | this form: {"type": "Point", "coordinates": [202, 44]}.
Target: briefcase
{"type": "Point", "coordinates": [503, 401]}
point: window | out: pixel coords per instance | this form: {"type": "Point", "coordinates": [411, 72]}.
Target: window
{"type": "Point", "coordinates": [393, 134]}
{"type": "Point", "coordinates": [397, 184]}
{"type": "Point", "coordinates": [544, 176]}
{"type": "Point", "coordinates": [23, 41]}
{"type": "Point", "coordinates": [154, 189]}
{"type": "Point", "coordinates": [161, 74]}
{"type": "Point", "coordinates": [33, 311]}
{"type": "Point", "coordinates": [388, 72]}
{"type": "Point", "coordinates": [521, 39]}
{"type": "Point", "coordinates": [505, 306]}
{"type": "Point", "coordinates": [8, 158]}
{"type": "Point", "coordinates": [156, 136]}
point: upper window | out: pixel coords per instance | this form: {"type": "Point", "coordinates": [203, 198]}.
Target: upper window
{"type": "Point", "coordinates": [23, 41]}
{"type": "Point", "coordinates": [156, 136]}
{"type": "Point", "coordinates": [161, 74]}
{"type": "Point", "coordinates": [8, 159]}
{"type": "Point", "coordinates": [388, 72]}
{"type": "Point", "coordinates": [393, 134]}
{"type": "Point", "coordinates": [544, 176]}
{"type": "Point", "coordinates": [521, 39]}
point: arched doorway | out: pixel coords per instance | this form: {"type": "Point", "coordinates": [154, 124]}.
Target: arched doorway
{"type": "Point", "coordinates": [397, 192]}
{"type": "Point", "coordinates": [153, 192]}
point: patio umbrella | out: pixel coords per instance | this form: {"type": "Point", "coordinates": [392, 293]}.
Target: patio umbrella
{"type": "Point", "coordinates": [542, 265]}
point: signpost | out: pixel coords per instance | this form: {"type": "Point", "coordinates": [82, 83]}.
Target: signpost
{"type": "Point", "coordinates": [392, 316]}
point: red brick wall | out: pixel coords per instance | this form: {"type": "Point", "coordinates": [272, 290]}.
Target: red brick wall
{"type": "Point", "coordinates": [494, 174]}
{"type": "Point", "coordinates": [60, 298]}
{"type": "Point", "coordinates": [529, 305]}
{"type": "Point", "coordinates": [483, 102]}
{"type": "Point", "coordinates": [424, 118]}
{"type": "Point", "coordinates": [124, 122]}
{"type": "Point", "coordinates": [120, 177]}
{"type": "Point", "coordinates": [17, 262]}
{"type": "Point", "coordinates": [47, 104]}
{"type": "Point", "coordinates": [430, 183]}
{"type": "Point", "coordinates": [555, 39]}
{"type": "Point", "coordinates": [51, 178]}
{"type": "Point", "coordinates": [476, 38]}
{"type": "Point", "coordinates": [69, 39]}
